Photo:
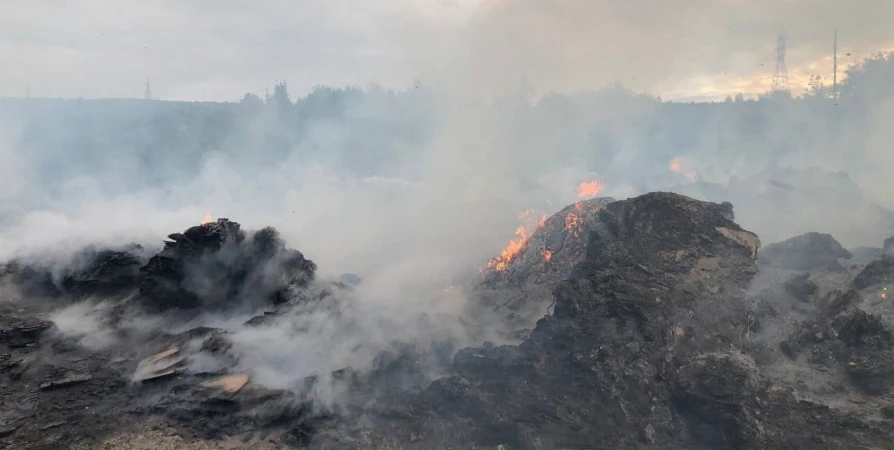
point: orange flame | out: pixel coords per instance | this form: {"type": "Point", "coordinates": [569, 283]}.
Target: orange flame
{"type": "Point", "coordinates": [676, 165]}
{"type": "Point", "coordinates": [527, 214]}
{"type": "Point", "coordinates": [884, 292]}
{"type": "Point", "coordinates": [589, 189]}
{"type": "Point", "coordinates": [547, 255]}
{"type": "Point", "coordinates": [532, 219]}
{"type": "Point", "coordinates": [207, 219]}
{"type": "Point", "coordinates": [572, 222]}
{"type": "Point", "coordinates": [511, 251]}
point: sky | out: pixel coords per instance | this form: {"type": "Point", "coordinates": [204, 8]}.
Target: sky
{"type": "Point", "coordinates": [221, 49]}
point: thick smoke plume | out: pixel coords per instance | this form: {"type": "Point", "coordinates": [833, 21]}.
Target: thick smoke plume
{"type": "Point", "coordinates": [415, 189]}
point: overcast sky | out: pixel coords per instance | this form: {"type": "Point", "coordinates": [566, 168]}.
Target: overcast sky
{"type": "Point", "coordinates": [221, 49]}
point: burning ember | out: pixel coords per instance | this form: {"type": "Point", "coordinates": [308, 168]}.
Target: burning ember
{"type": "Point", "coordinates": [572, 222]}
{"type": "Point", "coordinates": [514, 248]}
{"type": "Point", "coordinates": [532, 220]}
{"type": "Point", "coordinates": [884, 292]}
{"type": "Point", "coordinates": [207, 219]}
{"type": "Point", "coordinates": [547, 255]}
{"type": "Point", "coordinates": [589, 189]}
{"type": "Point", "coordinates": [676, 166]}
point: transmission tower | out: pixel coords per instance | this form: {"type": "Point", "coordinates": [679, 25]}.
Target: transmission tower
{"type": "Point", "coordinates": [148, 94]}
{"type": "Point", "coordinates": [780, 75]}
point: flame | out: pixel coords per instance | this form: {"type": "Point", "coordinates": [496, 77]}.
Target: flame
{"type": "Point", "coordinates": [572, 222]}
{"type": "Point", "coordinates": [515, 247]}
{"type": "Point", "coordinates": [532, 219]}
{"type": "Point", "coordinates": [676, 165]}
{"type": "Point", "coordinates": [884, 292]}
{"type": "Point", "coordinates": [589, 189]}
{"type": "Point", "coordinates": [579, 206]}
{"type": "Point", "coordinates": [547, 255]}
{"type": "Point", "coordinates": [207, 219]}
{"type": "Point", "coordinates": [527, 214]}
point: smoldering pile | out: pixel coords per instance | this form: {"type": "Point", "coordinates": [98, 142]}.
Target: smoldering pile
{"type": "Point", "coordinates": [211, 269]}
{"type": "Point", "coordinates": [154, 336]}
{"type": "Point", "coordinates": [655, 322]}
{"type": "Point", "coordinates": [517, 287]}
{"type": "Point", "coordinates": [671, 330]}
{"type": "Point", "coordinates": [216, 265]}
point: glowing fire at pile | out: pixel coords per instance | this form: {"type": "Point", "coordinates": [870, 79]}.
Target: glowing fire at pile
{"type": "Point", "coordinates": [207, 219]}
{"type": "Point", "coordinates": [572, 223]}
{"type": "Point", "coordinates": [589, 189]}
{"type": "Point", "coordinates": [676, 166]}
{"type": "Point", "coordinates": [533, 220]}
{"type": "Point", "coordinates": [884, 292]}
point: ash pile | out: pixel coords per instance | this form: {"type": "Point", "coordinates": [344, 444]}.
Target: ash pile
{"type": "Point", "coordinates": [671, 329]}
{"type": "Point", "coordinates": [655, 322]}
{"type": "Point", "coordinates": [517, 287]}
{"type": "Point", "coordinates": [145, 350]}
{"type": "Point", "coordinates": [216, 265]}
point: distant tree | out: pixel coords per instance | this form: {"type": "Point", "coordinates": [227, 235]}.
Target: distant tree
{"type": "Point", "coordinates": [280, 96]}
{"type": "Point", "coordinates": [870, 80]}
{"type": "Point", "coordinates": [728, 99]}
{"type": "Point", "coordinates": [780, 95]}
{"type": "Point", "coordinates": [251, 101]}
{"type": "Point", "coordinates": [739, 98]}
{"type": "Point", "coordinates": [816, 88]}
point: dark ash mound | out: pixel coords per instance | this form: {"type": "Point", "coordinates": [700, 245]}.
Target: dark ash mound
{"type": "Point", "coordinates": [216, 264]}
{"type": "Point", "coordinates": [805, 252]}
{"type": "Point", "coordinates": [658, 339]}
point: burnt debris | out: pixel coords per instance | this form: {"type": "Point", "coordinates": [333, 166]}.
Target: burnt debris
{"type": "Point", "coordinates": [217, 264]}
{"type": "Point", "coordinates": [655, 322]}
{"type": "Point", "coordinates": [805, 252]}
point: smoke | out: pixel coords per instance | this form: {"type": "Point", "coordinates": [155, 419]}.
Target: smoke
{"type": "Point", "coordinates": [414, 190]}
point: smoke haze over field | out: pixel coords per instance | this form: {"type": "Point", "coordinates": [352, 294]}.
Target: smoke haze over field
{"type": "Point", "coordinates": [415, 188]}
{"type": "Point", "coordinates": [218, 50]}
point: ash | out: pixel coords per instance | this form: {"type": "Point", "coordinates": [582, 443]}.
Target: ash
{"type": "Point", "coordinates": [650, 323]}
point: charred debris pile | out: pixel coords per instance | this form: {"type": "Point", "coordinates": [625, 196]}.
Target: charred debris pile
{"type": "Point", "coordinates": [212, 268]}
{"type": "Point", "coordinates": [655, 322]}
{"type": "Point", "coordinates": [216, 265]}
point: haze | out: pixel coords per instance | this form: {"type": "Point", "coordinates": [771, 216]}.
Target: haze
{"type": "Point", "coordinates": [217, 51]}
{"type": "Point", "coordinates": [403, 138]}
